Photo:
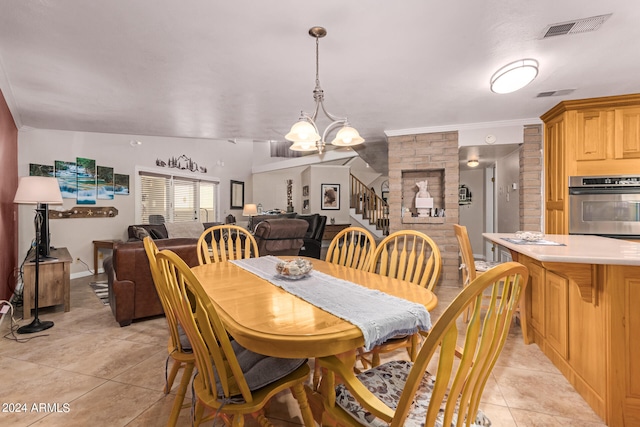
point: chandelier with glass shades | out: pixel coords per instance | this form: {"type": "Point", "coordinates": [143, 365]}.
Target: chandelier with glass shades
{"type": "Point", "coordinates": [305, 134]}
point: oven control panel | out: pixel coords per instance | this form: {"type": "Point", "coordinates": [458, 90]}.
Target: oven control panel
{"type": "Point", "coordinates": [604, 181]}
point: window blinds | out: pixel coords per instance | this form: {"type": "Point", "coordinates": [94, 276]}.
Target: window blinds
{"type": "Point", "coordinates": [177, 198]}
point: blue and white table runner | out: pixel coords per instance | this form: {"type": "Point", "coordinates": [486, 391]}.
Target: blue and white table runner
{"type": "Point", "coordinates": [378, 315]}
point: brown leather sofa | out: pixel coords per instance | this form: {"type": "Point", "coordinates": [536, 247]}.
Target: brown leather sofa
{"type": "Point", "coordinates": [132, 294]}
{"type": "Point", "coordinates": [280, 236]}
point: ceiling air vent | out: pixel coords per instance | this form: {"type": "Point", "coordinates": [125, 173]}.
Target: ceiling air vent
{"type": "Point", "coordinates": [554, 93]}
{"type": "Point", "coordinates": [574, 27]}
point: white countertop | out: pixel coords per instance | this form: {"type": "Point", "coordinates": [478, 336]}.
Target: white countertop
{"type": "Point", "coordinates": [576, 249]}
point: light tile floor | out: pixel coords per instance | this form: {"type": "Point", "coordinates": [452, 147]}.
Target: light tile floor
{"type": "Point", "coordinates": [104, 375]}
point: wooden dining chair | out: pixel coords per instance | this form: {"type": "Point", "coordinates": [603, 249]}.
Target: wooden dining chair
{"type": "Point", "coordinates": [225, 242]}
{"type": "Point", "coordinates": [231, 381]}
{"type": "Point", "coordinates": [411, 256]}
{"type": "Point", "coordinates": [178, 347]}
{"type": "Point", "coordinates": [352, 247]}
{"type": "Point", "coordinates": [402, 393]}
{"type": "Point", "coordinates": [471, 269]}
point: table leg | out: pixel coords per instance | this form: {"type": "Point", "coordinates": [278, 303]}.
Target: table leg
{"type": "Point", "coordinates": [95, 259]}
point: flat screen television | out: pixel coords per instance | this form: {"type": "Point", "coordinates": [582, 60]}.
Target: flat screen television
{"type": "Point", "coordinates": [45, 234]}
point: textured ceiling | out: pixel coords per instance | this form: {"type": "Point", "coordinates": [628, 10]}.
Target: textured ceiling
{"type": "Point", "coordinates": [245, 69]}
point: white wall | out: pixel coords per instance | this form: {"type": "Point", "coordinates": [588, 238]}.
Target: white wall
{"type": "Point", "coordinates": [113, 150]}
{"type": "Point", "coordinates": [508, 197]}
{"type": "Point", "coordinates": [473, 215]}
{"type": "Point", "coordinates": [322, 174]}
{"type": "Point", "coordinates": [270, 189]}
{"type": "Point", "coordinates": [504, 133]}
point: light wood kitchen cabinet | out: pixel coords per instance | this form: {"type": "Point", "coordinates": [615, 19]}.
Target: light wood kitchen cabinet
{"type": "Point", "coordinates": [591, 135]}
{"type": "Point", "coordinates": [555, 316]}
{"type": "Point", "coordinates": [536, 295]}
{"type": "Point", "coordinates": [597, 136]}
{"type": "Point", "coordinates": [591, 321]}
{"type": "Point", "coordinates": [627, 133]}
{"type": "Point", "coordinates": [557, 191]}
{"type": "Point", "coordinates": [572, 331]}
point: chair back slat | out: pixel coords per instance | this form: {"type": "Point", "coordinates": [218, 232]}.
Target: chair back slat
{"type": "Point", "coordinates": [226, 242]}
{"type": "Point", "coordinates": [408, 255]}
{"type": "Point", "coordinates": [352, 247]}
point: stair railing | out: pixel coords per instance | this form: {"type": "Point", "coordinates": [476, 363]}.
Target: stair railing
{"type": "Point", "coordinates": [367, 203]}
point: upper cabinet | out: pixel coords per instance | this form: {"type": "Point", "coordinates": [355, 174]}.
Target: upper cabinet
{"type": "Point", "coordinates": [627, 133]}
{"type": "Point", "coordinates": [591, 135]}
{"type": "Point", "coordinates": [597, 136]}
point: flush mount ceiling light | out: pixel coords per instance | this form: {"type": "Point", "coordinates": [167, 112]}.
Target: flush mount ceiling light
{"type": "Point", "coordinates": [304, 133]}
{"type": "Point", "coordinates": [514, 76]}
{"type": "Point", "coordinates": [473, 163]}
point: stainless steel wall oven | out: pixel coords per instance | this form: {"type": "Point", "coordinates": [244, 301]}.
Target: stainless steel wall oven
{"type": "Point", "coordinates": [605, 205]}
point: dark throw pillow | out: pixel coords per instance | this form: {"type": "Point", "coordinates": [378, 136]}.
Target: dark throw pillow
{"type": "Point", "coordinates": [140, 232]}
{"type": "Point", "coordinates": [155, 234]}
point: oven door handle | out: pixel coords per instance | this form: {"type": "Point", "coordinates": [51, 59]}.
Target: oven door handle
{"type": "Point", "coordinates": [616, 190]}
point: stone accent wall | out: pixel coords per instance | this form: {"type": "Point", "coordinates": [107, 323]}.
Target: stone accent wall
{"type": "Point", "coordinates": [416, 157]}
{"type": "Point", "coordinates": [531, 179]}
{"type": "Point", "coordinates": [413, 155]}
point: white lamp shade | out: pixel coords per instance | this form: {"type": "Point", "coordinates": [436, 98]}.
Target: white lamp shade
{"type": "Point", "coordinates": [514, 76]}
{"type": "Point", "coordinates": [38, 189]}
{"type": "Point", "coordinates": [249, 209]}
{"type": "Point", "coordinates": [347, 137]}
{"type": "Point", "coordinates": [303, 146]}
{"type": "Point", "coordinates": [303, 131]}
{"type": "Point", "coordinates": [473, 163]}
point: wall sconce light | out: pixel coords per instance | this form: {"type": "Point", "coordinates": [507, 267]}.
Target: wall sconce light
{"type": "Point", "coordinates": [473, 163]}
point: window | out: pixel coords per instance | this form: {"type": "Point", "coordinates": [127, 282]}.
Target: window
{"type": "Point", "coordinates": [176, 198]}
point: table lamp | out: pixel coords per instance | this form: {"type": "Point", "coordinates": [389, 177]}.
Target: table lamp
{"type": "Point", "coordinates": [250, 209]}
{"type": "Point", "coordinates": [40, 191]}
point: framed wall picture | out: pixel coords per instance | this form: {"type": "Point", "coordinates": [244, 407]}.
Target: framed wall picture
{"type": "Point", "coordinates": [86, 181]}
{"type": "Point", "coordinates": [120, 184]}
{"type": "Point", "coordinates": [330, 196]}
{"type": "Point", "coordinates": [105, 183]}
{"type": "Point", "coordinates": [237, 194]}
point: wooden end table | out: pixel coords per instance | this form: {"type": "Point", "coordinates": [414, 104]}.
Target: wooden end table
{"type": "Point", "coordinates": [54, 279]}
{"type": "Point", "coordinates": [101, 244]}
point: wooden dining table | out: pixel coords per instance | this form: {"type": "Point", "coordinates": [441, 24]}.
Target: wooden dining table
{"type": "Point", "coordinates": [267, 319]}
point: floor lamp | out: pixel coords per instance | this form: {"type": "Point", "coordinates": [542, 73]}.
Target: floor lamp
{"type": "Point", "coordinates": [37, 190]}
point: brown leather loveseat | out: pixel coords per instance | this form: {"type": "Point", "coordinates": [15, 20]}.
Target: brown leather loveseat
{"type": "Point", "coordinates": [132, 294]}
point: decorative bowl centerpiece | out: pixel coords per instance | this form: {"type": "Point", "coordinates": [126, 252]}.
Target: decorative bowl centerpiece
{"type": "Point", "coordinates": [530, 236]}
{"type": "Point", "coordinates": [294, 269]}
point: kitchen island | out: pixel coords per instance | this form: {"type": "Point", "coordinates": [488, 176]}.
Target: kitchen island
{"type": "Point", "coordinates": [583, 311]}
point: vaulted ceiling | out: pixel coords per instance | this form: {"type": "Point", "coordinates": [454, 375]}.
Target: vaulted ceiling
{"type": "Point", "coordinates": [245, 69]}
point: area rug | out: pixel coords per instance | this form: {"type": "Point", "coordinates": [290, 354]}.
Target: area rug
{"type": "Point", "coordinates": [101, 288]}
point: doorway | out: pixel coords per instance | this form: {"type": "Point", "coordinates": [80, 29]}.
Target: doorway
{"type": "Point", "coordinates": [494, 201]}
